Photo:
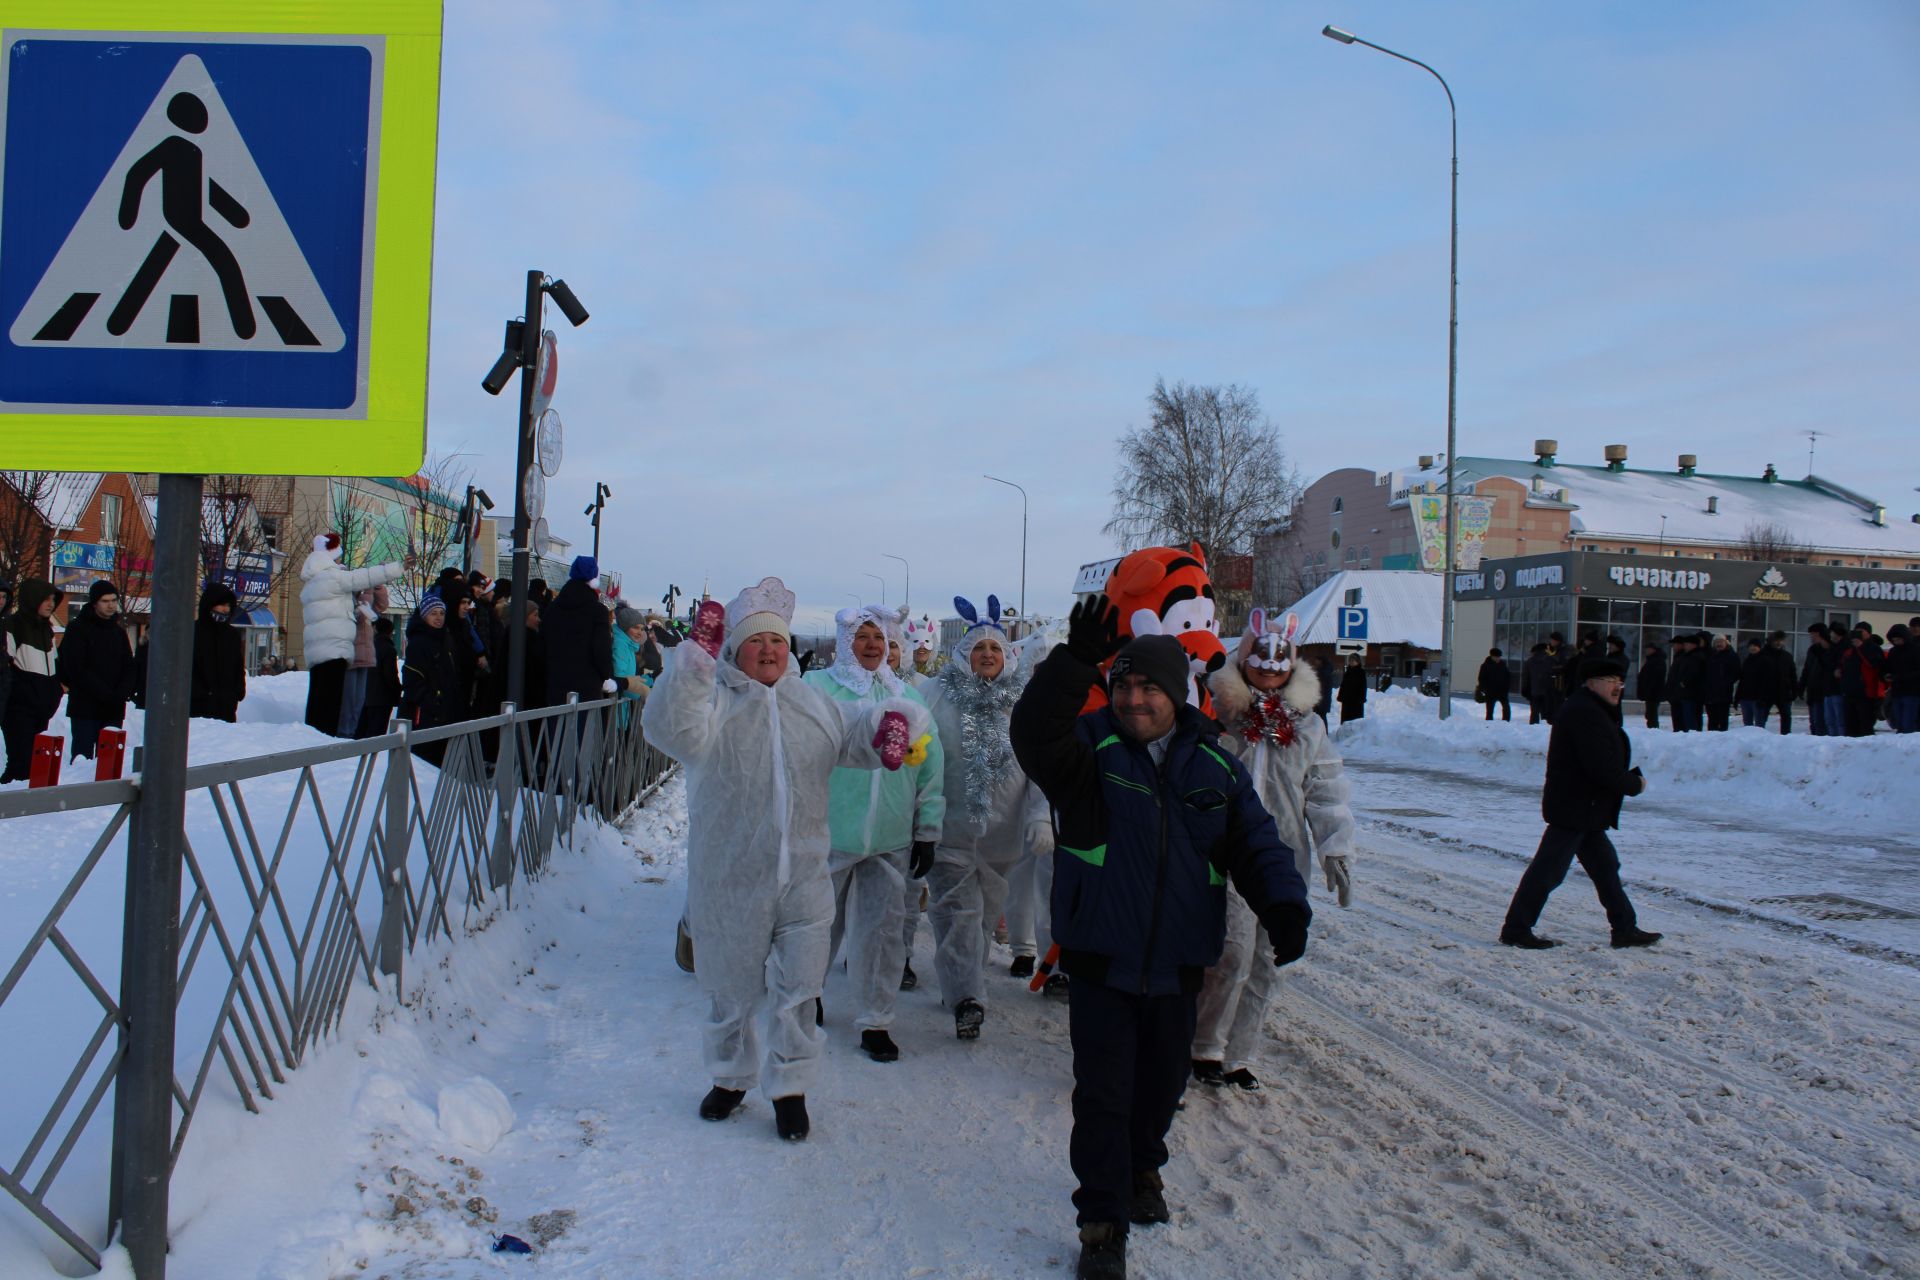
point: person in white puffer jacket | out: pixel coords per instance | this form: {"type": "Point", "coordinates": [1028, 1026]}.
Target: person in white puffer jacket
{"type": "Point", "coordinates": [1264, 698]}
{"type": "Point", "coordinates": [328, 624]}
{"type": "Point", "coordinates": [759, 747]}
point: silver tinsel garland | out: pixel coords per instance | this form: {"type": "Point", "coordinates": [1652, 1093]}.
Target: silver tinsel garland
{"type": "Point", "coordinates": [983, 707]}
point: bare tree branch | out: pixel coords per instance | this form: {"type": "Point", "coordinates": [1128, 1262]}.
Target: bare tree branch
{"type": "Point", "coordinates": [1771, 540]}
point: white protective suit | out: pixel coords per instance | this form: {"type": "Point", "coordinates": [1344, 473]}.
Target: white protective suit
{"type": "Point", "coordinates": [989, 806]}
{"type": "Point", "coordinates": [326, 601]}
{"type": "Point", "coordinates": [1030, 884]}
{"type": "Point", "coordinates": [1303, 784]}
{"type": "Point", "coordinates": [873, 819]}
{"type": "Point", "coordinates": [759, 898]}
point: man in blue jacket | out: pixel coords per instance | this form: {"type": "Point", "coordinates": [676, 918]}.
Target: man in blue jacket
{"type": "Point", "coordinates": [1153, 820]}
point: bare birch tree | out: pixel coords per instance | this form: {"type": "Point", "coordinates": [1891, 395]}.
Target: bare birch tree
{"type": "Point", "coordinates": [1207, 468]}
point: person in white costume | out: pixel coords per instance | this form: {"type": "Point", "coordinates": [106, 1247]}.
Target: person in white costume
{"type": "Point", "coordinates": [1030, 884]}
{"type": "Point", "coordinates": [1265, 698]}
{"type": "Point", "coordinates": [875, 819]}
{"type": "Point", "coordinates": [759, 746]}
{"type": "Point", "coordinates": [328, 624]}
{"type": "Point", "coordinates": [989, 805]}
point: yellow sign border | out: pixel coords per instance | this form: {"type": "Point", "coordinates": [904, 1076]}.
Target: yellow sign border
{"type": "Point", "coordinates": [391, 439]}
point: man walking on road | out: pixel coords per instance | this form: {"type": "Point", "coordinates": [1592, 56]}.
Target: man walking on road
{"type": "Point", "coordinates": [1153, 821]}
{"type": "Point", "coordinates": [1589, 772]}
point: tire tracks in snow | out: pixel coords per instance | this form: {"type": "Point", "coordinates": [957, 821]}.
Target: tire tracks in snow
{"type": "Point", "coordinates": [1500, 1118]}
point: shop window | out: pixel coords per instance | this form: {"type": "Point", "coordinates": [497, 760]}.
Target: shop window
{"type": "Point", "coordinates": [1624, 613]}
{"type": "Point", "coordinates": [1657, 613]}
{"type": "Point", "coordinates": [1688, 617]}
{"type": "Point", "coordinates": [1720, 617]}
{"type": "Point", "coordinates": [1753, 617]}
{"type": "Point", "coordinates": [1592, 610]}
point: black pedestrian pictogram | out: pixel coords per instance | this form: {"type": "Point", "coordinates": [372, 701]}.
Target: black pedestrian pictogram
{"type": "Point", "coordinates": [185, 192]}
{"type": "Point", "coordinates": [184, 180]}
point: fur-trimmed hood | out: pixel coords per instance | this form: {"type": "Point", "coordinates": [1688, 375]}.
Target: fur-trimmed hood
{"type": "Point", "coordinates": [1232, 695]}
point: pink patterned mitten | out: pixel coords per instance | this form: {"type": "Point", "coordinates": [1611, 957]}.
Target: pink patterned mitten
{"type": "Point", "coordinates": [891, 740]}
{"type": "Point", "coordinates": [710, 627]}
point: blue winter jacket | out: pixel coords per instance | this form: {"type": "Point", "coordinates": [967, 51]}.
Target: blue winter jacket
{"type": "Point", "coordinates": [1144, 853]}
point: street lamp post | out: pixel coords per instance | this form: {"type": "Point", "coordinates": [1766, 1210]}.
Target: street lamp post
{"type": "Point", "coordinates": [600, 495]}
{"type": "Point", "coordinates": [906, 599]}
{"type": "Point", "coordinates": [883, 587]}
{"type": "Point", "coordinates": [1023, 540]}
{"type": "Point", "coordinates": [1453, 355]}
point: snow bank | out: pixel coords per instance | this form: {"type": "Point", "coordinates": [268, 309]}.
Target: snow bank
{"type": "Point", "coordinates": [275, 699]}
{"type": "Point", "coordinates": [1860, 779]}
{"type": "Point", "coordinates": [474, 1113]}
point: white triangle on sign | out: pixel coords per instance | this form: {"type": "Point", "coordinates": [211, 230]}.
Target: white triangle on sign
{"type": "Point", "coordinates": [220, 271]}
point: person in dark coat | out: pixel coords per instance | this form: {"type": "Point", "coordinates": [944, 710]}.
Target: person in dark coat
{"type": "Point", "coordinates": [1653, 681]}
{"type": "Point", "coordinates": [1686, 678]}
{"type": "Point", "coordinates": [1561, 657]}
{"type": "Point", "coordinates": [1718, 682]}
{"type": "Point", "coordinates": [219, 657]}
{"type": "Point", "coordinates": [35, 691]}
{"type": "Point", "coordinates": [579, 635]}
{"type": "Point", "coordinates": [6, 667]}
{"type": "Point", "coordinates": [1590, 772]}
{"type": "Point", "coordinates": [1495, 682]}
{"type": "Point", "coordinates": [1353, 690]}
{"type": "Point", "coordinates": [1901, 670]}
{"type": "Point", "coordinates": [96, 666]}
{"type": "Point", "coordinates": [1537, 684]}
{"type": "Point", "coordinates": [1323, 667]}
{"type": "Point", "coordinates": [430, 693]}
{"type": "Point", "coordinates": [1858, 678]}
{"type": "Point", "coordinates": [383, 682]}
{"type": "Point", "coordinates": [1756, 689]}
{"type": "Point", "coordinates": [1817, 684]}
{"type": "Point", "coordinates": [1153, 823]}
{"type": "Point", "coordinates": [1785, 674]}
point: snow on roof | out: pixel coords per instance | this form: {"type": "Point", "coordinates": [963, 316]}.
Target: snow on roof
{"type": "Point", "coordinates": [1630, 503]}
{"type": "Point", "coordinates": [62, 497]}
{"type": "Point", "coordinates": [1403, 607]}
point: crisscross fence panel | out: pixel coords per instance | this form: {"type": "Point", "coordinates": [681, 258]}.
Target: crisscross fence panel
{"type": "Point", "coordinates": [308, 875]}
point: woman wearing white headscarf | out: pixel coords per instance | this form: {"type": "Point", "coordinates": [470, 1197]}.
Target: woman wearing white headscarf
{"type": "Point", "coordinates": [989, 804]}
{"type": "Point", "coordinates": [759, 747]}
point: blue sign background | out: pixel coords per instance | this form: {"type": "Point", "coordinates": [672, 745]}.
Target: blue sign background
{"type": "Point", "coordinates": [302, 109]}
{"type": "Point", "coordinates": [1353, 623]}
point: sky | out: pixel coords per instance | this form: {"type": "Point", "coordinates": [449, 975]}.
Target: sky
{"type": "Point", "coordinates": [842, 260]}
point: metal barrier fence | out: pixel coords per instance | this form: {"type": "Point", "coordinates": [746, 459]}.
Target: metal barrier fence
{"type": "Point", "coordinates": [305, 872]}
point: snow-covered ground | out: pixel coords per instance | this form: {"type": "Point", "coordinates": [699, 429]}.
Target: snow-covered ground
{"type": "Point", "coordinates": [1735, 1102]}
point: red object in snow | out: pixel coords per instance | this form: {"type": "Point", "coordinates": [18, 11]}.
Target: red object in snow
{"type": "Point", "coordinates": [45, 770]}
{"type": "Point", "coordinates": [110, 754]}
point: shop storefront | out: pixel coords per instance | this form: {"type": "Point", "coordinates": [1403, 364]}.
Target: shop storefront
{"type": "Point", "coordinates": [1519, 601]}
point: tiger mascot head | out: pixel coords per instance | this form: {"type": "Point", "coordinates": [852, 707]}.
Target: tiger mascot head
{"type": "Point", "coordinates": [1166, 591]}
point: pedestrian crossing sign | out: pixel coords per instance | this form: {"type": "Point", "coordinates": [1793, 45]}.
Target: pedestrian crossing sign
{"type": "Point", "coordinates": [216, 235]}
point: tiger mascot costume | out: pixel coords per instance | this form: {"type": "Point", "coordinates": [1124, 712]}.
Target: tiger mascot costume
{"type": "Point", "coordinates": [1166, 591]}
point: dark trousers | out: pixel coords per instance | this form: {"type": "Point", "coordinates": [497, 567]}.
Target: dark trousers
{"type": "Point", "coordinates": [1653, 713]}
{"type": "Point", "coordinates": [86, 736]}
{"type": "Point", "coordinates": [1752, 712]}
{"type": "Point", "coordinates": [325, 684]}
{"type": "Point", "coordinates": [1686, 716]}
{"type": "Point", "coordinates": [1717, 716]}
{"type": "Point", "coordinates": [1506, 708]}
{"type": "Point", "coordinates": [1786, 716]}
{"type": "Point", "coordinates": [1860, 715]}
{"type": "Point", "coordinates": [1131, 1055]}
{"type": "Point", "coordinates": [1558, 848]}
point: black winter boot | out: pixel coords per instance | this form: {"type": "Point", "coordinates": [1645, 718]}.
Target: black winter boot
{"type": "Point", "coordinates": [967, 1017]}
{"type": "Point", "coordinates": [908, 979]}
{"type": "Point", "coordinates": [819, 1012]}
{"type": "Point", "coordinates": [719, 1103]}
{"type": "Point", "coordinates": [1022, 967]}
{"type": "Point", "coordinates": [790, 1117]}
{"type": "Point", "coordinates": [879, 1045]}
{"type": "Point", "coordinates": [1241, 1078]}
{"type": "Point", "coordinates": [1056, 987]}
{"type": "Point", "coordinates": [1149, 1204]}
{"type": "Point", "coordinates": [1635, 938]}
{"type": "Point", "coordinates": [1209, 1072]}
{"type": "Point", "coordinates": [1103, 1252]}
{"type": "Point", "coordinates": [1526, 940]}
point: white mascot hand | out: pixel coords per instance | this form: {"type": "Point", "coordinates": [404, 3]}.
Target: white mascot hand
{"type": "Point", "coordinates": [1339, 880]}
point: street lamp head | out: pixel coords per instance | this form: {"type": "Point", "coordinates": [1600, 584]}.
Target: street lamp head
{"type": "Point", "coordinates": [1335, 33]}
{"type": "Point", "coordinates": [480, 495]}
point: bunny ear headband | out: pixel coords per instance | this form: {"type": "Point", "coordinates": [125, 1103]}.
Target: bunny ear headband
{"type": "Point", "coordinates": [1272, 648]}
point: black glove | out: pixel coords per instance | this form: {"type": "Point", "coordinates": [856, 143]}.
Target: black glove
{"type": "Point", "coordinates": [921, 860]}
{"type": "Point", "coordinates": [1093, 631]}
{"type": "Point", "coordinates": [1288, 930]}
{"type": "Point", "coordinates": [665, 637]}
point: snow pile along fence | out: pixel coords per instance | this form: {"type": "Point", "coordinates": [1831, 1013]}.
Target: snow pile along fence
{"type": "Point", "coordinates": [305, 872]}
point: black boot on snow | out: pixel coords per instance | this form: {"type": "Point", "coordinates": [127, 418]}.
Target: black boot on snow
{"type": "Point", "coordinates": [1022, 967]}
{"type": "Point", "coordinates": [719, 1103]}
{"type": "Point", "coordinates": [1241, 1078]}
{"type": "Point", "coordinates": [879, 1046]}
{"type": "Point", "coordinates": [790, 1117]}
{"type": "Point", "coordinates": [1209, 1072]}
{"type": "Point", "coordinates": [819, 1012]}
{"type": "Point", "coordinates": [1056, 986]}
{"type": "Point", "coordinates": [1635, 938]}
{"type": "Point", "coordinates": [1103, 1252]}
{"type": "Point", "coordinates": [967, 1017]}
{"type": "Point", "coordinates": [908, 979]}
{"type": "Point", "coordinates": [1149, 1204]}
{"type": "Point", "coordinates": [1526, 940]}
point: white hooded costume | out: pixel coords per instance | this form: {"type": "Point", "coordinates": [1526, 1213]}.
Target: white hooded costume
{"type": "Point", "coordinates": [1301, 779]}
{"type": "Point", "coordinates": [989, 806]}
{"type": "Point", "coordinates": [759, 897]}
{"type": "Point", "coordinates": [874, 817]}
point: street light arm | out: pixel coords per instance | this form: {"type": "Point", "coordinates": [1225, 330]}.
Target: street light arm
{"type": "Point", "coordinates": [1347, 37]}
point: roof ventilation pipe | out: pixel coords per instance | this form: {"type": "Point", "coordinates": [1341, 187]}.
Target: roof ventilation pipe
{"type": "Point", "coordinates": [1689, 462]}
{"type": "Point", "coordinates": [1880, 515]}
{"type": "Point", "coordinates": [1713, 504]}
{"type": "Point", "coordinates": [1544, 451]}
{"type": "Point", "coordinates": [1426, 462]}
{"type": "Point", "coordinates": [1616, 455]}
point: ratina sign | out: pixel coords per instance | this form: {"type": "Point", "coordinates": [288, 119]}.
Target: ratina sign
{"type": "Point", "coordinates": [216, 234]}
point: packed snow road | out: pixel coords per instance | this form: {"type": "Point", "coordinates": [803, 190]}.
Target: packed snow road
{"type": "Point", "coordinates": [1735, 1102]}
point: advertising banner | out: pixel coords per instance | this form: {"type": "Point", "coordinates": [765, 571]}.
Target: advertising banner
{"type": "Point", "coordinates": [1473, 517]}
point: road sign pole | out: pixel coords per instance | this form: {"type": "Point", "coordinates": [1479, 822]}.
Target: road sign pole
{"type": "Point", "coordinates": [150, 965]}
{"type": "Point", "coordinates": [522, 521]}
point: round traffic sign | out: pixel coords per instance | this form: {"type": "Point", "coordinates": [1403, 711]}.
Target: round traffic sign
{"type": "Point", "coordinates": [533, 491]}
{"type": "Point", "coordinates": [546, 374]}
{"type": "Point", "coordinates": [548, 441]}
{"type": "Point", "coordinates": [542, 539]}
